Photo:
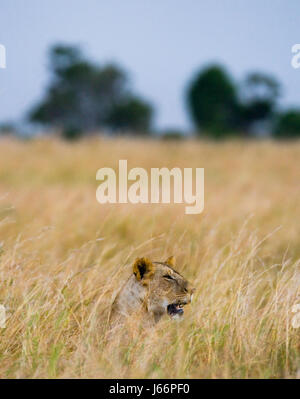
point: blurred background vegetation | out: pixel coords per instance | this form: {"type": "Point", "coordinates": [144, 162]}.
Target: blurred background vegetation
{"type": "Point", "coordinates": [83, 98]}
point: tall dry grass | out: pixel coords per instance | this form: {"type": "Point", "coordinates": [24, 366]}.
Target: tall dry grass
{"type": "Point", "coordinates": [63, 257]}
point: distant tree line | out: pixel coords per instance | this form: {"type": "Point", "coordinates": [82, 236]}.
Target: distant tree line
{"type": "Point", "coordinates": [219, 107]}
{"type": "Point", "coordinates": [84, 97]}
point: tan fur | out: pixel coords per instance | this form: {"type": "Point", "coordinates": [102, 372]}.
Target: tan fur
{"type": "Point", "coordinates": [149, 290]}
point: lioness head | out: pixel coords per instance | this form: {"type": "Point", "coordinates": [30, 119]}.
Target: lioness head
{"type": "Point", "coordinates": [167, 290]}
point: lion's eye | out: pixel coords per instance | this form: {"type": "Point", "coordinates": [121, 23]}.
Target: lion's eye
{"type": "Point", "coordinates": [168, 277]}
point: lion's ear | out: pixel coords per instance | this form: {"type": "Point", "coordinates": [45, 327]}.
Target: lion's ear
{"type": "Point", "coordinates": [143, 268]}
{"type": "Point", "coordinates": [171, 261]}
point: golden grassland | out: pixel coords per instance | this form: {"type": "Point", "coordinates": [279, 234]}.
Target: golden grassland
{"type": "Point", "coordinates": [64, 256]}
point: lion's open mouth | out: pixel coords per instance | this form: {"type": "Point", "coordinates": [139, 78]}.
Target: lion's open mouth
{"type": "Point", "coordinates": [175, 309]}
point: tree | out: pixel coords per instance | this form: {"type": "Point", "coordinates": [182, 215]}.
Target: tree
{"type": "Point", "coordinates": [288, 124]}
{"type": "Point", "coordinates": [212, 101]}
{"type": "Point", "coordinates": [83, 97]}
{"type": "Point", "coordinates": [132, 112]}
{"type": "Point", "coordinates": [7, 128]}
{"type": "Point", "coordinates": [259, 94]}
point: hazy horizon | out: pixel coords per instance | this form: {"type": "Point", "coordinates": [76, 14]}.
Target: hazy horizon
{"type": "Point", "coordinates": [161, 45]}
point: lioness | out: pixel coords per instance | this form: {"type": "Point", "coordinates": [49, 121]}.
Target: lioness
{"type": "Point", "coordinates": [154, 289]}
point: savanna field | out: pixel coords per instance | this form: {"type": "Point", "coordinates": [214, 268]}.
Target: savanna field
{"type": "Point", "coordinates": [64, 256]}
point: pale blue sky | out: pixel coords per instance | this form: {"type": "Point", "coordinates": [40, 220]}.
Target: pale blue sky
{"type": "Point", "coordinates": [160, 42]}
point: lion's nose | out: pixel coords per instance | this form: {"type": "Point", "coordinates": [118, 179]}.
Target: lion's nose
{"type": "Point", "coordinates": [192, 290]}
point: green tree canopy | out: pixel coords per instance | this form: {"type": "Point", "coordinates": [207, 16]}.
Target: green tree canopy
{"type": "Point", "coordinates": [288, 124]}
{"type": "Point", "coordinates": [131, 112]}
{"type": "Point", "coordinates": [83, 96]}
{"type": "Point", "coordinates": [259, 94]}
{"type": "Point", "coordinates": [212, 101]}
